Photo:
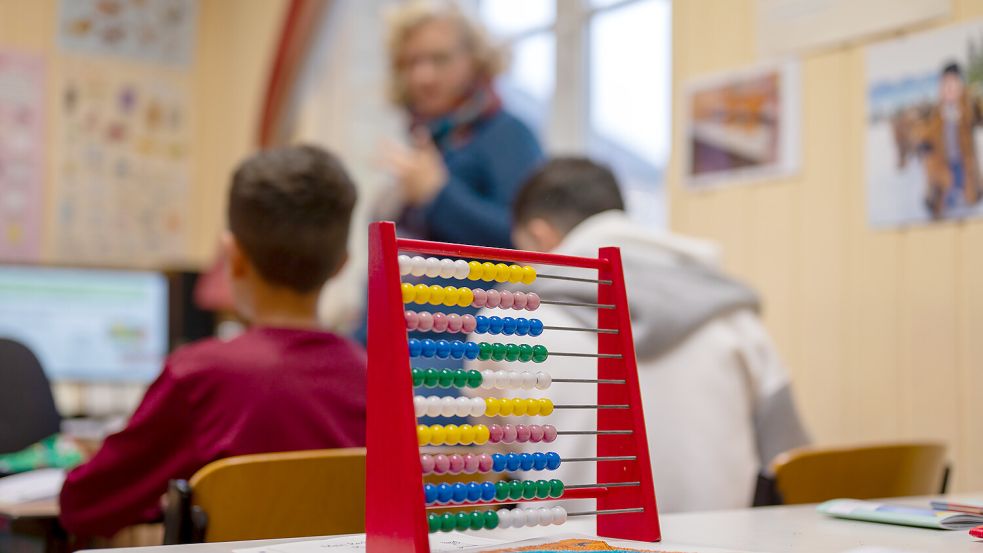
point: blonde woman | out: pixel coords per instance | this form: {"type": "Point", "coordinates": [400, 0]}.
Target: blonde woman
{"type": "Point", "coordinates": [468, 155]}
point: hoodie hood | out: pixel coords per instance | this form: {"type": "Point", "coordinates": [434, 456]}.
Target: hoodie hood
{"type": "Point", "coordinates": [673, 284]}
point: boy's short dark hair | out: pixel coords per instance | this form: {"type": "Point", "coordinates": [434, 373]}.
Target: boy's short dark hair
{"type": "Point", "coordinates": [289, 210]}
{"type": "Point", "coordinates": [952, 68]}
{"type": "Point", "coordinates": [565, 191]}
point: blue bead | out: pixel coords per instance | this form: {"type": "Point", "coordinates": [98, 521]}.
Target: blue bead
{"type": "Point", "coordinates": [535, 327]}
{"type": "Point", "coordinates": [457, 349]}
{"type": "Point", "coordinates": [521, 326]}
{"type": "Point", "coordinates": [481, 324]}
{"type": "Point", "coordinates": [415, 347]}
{"type": "Point", "coordinates": [443, 349]}
{"type": "Point", "coordinates": [508, 326]}
{"type": "Point", "coordinates": [498, 462]}
{"type": "Point", "coordinates": [444, 493]}
{"type": "Point", "coordinates": [471, 350]}
{"type": "Point", "coordinates": [512, 461]}
{"type": "Point", "coordinates": [430, 493]}
{"type": "Point", "coordinates": [487, 491]}
{"type": "Point", "coordinates": [526, 462]}
{"type": "Point", "coordinates": [552, 460]}
{"type": "Point", "coordinates": [460, 492]}
{"type": "Point", "coordinates": [428, 347]}
{"type": "Point", "coordinates": [539, 461]}
{"type": "Point", "coordinates": [474, 491]}
{"type": "Point", "coordinates": [494, 324]}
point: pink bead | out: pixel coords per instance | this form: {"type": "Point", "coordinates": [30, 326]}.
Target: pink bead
{"type": "Point", "coordinates": [427, 462]}
{"type": "Point", "coordinates": [439, 322]}
{"type": "Point", "coordinates": [470, 463]}
{"type": "Point", "coordinates": [508, 433]}
{"type": "Point", "coordinates": [520, 300]}
{"type": "Point", "coordinates": [426, 321]}
{"type": "Point", "coordinates": [454, 322]}
{"type": "Point", "coordinates": [521, 433]}
{"type": "Point", "coordinates": [468, 323]}
{"type": "Point", "coordinates": [495, 433]}
{"type": "Point", "coordinates": [494, 298]}
{"type": "Point", "coordinates": [508, 298]}
{"type": "Point", "coordinates": [485, 462]}
{"type": "Point", "coordinates": [441, 464]}
{"type": "Point", "coordinates": [480, 297]}
{"type": "Point", "coordinates": [536, 433]}
{"type": "Point", "coordinates": [532, 301]}
{"type": "Point", "coordinates": [412, 320]}
{"type": "Point", "coordinates": [456, 464]}
{"type": "Point", "coordinates": [549, 433]}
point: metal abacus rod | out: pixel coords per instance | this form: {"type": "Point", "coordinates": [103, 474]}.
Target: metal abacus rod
{"type": "Point", "coordinates": [591, 406]}
{"type": "Point", "coordinates": [582, 329]}
{"type": "Point", "coordinates": [574, 279]}
{"type": "Point", "coordinates": [593, 432]}
{"type": "Point", "coordinates": [607, 512]}
{"type": "Point", "coordinates": [600, 485]}
{"type": "Point", "coordinates": [590, 380]}
{"type": "Point", "coordinates": [606, 458]}
{"type": "Point", "coordinates": [579, 304]}
{"type": "Point", "coordinates": [597, 355]}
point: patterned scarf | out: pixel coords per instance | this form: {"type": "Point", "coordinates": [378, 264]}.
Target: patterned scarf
{"type": "Point", "coordinates": [454, 129]}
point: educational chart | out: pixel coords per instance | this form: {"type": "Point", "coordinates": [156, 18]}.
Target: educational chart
{"type": "Point", "coordinates": [160, 31]}
{"type": "Point", "coordinates": [924, 113]}
{"type": "Point", "coordinates": [123, 173]}
{"type": "Point", "coordinates": [21, 161]}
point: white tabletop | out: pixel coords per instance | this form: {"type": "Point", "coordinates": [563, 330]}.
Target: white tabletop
{"type": "Point", "coordinates": [796, 529]}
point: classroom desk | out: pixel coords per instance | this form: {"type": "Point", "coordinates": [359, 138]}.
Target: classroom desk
{"type": "Point", "coordinates": [34, 522]}
{"type": "Point", "coordinates": [794, 529]}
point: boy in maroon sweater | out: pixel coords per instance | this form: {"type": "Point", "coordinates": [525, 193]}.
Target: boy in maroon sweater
{"type": "Point", "coordinates": [283, 385]}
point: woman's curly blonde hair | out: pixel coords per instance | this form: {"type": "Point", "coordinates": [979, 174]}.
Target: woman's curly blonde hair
{"type": "Point", "coordinates": [405, 17]}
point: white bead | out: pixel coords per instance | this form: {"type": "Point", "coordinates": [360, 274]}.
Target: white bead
{"type": "Point", "coordinates": [433, 406]}
{"type": "Point", "coordinates": [432, 267]}
{"type": "Point", "coordinates": [504, 518]}
{"type": "Point", "coordinates": [501, 379]}
{"type": "Point", "coordinates": [461, 269]}
{"type": "Point", "coordinates": [478, 406]}
{"type": "Point", "coordinates": [463, 406]}
{"type": "Point", "coordinates": [487, 379]}
{"type": "Point", "coordinates": [420, 405]}
{"type": "Point", "coordinates": [545, 516]}
{"type": "Point", "coordinates": [559, 515]}
{"type": "Point", "coordinates": [532, 517]}
{"type": "Point", "coordinates": [515, 379]}
{"type": "Point", "coordinates": [405, 264]}
{"type": "Point", "coordinates": [528, 380]}
{"type": "Point", "coordinates": [419, 266]}
{"type": "Point", "coordinates": [448, 406]}
{"type": "Point", "coordinates": [543, 380]}
{"type": "Point", "coordinates": [518, 518]}
{"type": "Point", "coordinates": [447, 268]}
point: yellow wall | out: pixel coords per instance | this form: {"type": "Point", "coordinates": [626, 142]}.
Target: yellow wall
{"type": "Point", "coordinates": [882, 330]}
{"type": "Point", "coordinates": [235, 42]}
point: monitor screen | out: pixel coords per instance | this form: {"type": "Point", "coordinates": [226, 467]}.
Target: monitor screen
{"type": "Point", "coordinates": [87, 325]}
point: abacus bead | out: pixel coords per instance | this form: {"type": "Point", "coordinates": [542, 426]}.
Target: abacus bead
{"type": "Point", "coordinates": [492, 298]}
{"type": "Point", "coordinates": [504, 518]}
{"type": "Point", "coordinates": [515, 377]}
{"type": "Point", "coordinates": [487, 491]}
{"type": "Point", "coordinates": [460, 493]}
{"type": "Point", "coordinates": [499, 462]}
{"type": "Point", "coordinates": [493, 406]}
{"type": "Point", "coordinates": [477, 406]}
{"type": "Point", "coordinates": [465, 297]}
{"type": "Point", "coordinates": [473, 377]}
{"type": "Point", "coordinates": [451, 295]}
{"type": "Point", "coordinates": [485, 462]}
{"type": "Point", "coordinates": [480, 297]}
{"type": "Point", "coordinates": [556, 488]}
{"type": "Point", "coordinates": [513, 461]}
{"type": "Point", "coordinates": [538, 460]}
{"type": "Point", "coordinates": [532, 517]}
{"type": "Point", "coordinates": [491, 520]}
{"type": "Point", "coordinates": [539, 353]}
{"type": "Point", "coordinates": [412, 320]}
{"type": "Point", "coordinates": [474, 270]}
{"type": "Point", "coordinates": [481, 434]}
{"type": "Point", "coordinates": [529, 489]}
{"type": "Point", "coordinates": [522, 433]}
{"type": "Point", "coordinates": [468, 324]}
{"type": "Point", "coordinates": [542, 489]}
{"type": "Point", "coordinates": [543, 380]}
{"type": "Point", "coordinates": [502, 272]}
{"type": "Point", "coordinates": [532, 407]}
{"type": "Point", "coordinates": [477, 519]}
{"type": "Point", "coordinates": [512, 352]}
{"type": "Point", "coordinates": [515, 489]}
{"type": "Point", "coordinates": [498, 351]}
{"type": "Point", "coordinates": [508, 434]}
{"type": "Point", "coordinates": [467, 434]}
{"type": "Point", "coordinates": [432, 267]}
{"type": "Point", "coordinates": [443, 349]}
{"type": "Point", "coordinates": [552, 460]}
{"type": "Point", "coordinates": [404, 264]}
{"type": "Point", "coordinates": [519, 408]}
{"type": "Point", "coordinates": [496, 433]}
{"type": "Point", "coordinates": [419, 406]}
{"type": "Point", "coordinates": [447, 522]}
{"type": "Point", "coordinates": [525, 461]}
{"type": "Point", "coordinates": [484, 351]}
{"type": "Point", "coordinates": [448, 406]}
{"type": "Point", "coordinates": [441, 464]}
{"type": "Point", "coordinates": [474, 491]}
{"type": "Point", "coordinates": [525, 353]}
{"type": "Point", "coordinates": [481, 324]}
{"type": "Point", "coordinates": [431, 377]}
{"type": "Point", "coordinates": [487, 379]}
{"type": "Point", "coordinates": [528, 275]}
{"type": "Point", "coordinates": [501, 379]}
{"type": "Point", "coordinates": [426, 321]}
{"type": "Point", "coordinates": [559, 515]}
{"type": "Point", "coordinates": [415, 347]}
{"type": "Point", "coordinates": [460, 376]}
{"type": "Point", "coordinates": [549, 433]}
{"type": "Point", "coordinates": [445, 378]}
{"type": "Point", "coordinates": [439, 322]}
{"type": "Point", "coordinates": [470, 462]}
{"type": "Point", "coordinates": [545, 406]}
{"type": "Point", "coordinates": [426, 463]}
{"type": "Point", "coordinates": [428, 347]}
{"type": "Point", "coordinates": [461, 269]}
{"type": "Point", "coordinates": [532, 301]}
{"type": "Point", "coordinates": [515, 273]}
{"type": "Point", "coordinates": [471, 350]}
{"type": "Point", "coordinates": [454, 322]}
{"type": "Point", "coordinates": [519, 518]}
{"type": "Point", "coordinates": [433, 522]}
{"type": "Point", "coordinates": [463, 520]}
{"type": "Point", "coordinates": [495, 324]}
{"type": "Point", "coordinates": [433, 406]}
{"type": "Point", "coordinates": [438, 435]}
{"type": "Point", "coordinates": [501, 490]}
{"type": "Point", "coordinates": [408, 291]}
{"type": "Point", "coordinates": [445, 492]}
{"type": "Point", "coordinates": [508, 299]}
{"type": "Point", "coordinates": [488, 271]}
{"type": "Point", "coordinates": [429, 493]}
{"type": "Point", "coordinates": [463, 406]}
{"type": "Point", "coordinates": [418, 265]}
{"type": "Point", "coordinates": [422, 435]}
{"type": "Point", "coordinates": [457, 352]}
{"type": "Point", "coordinates": [436, 295]}
{"type": "Point", "coordinates": [505, 408]}
{"type": "Point", "coordinates": [535, 434]}
{"type": "Point", "coordinates": [528, 381]}
{"type": "Point", "coordinates": [508, 326]}
{"type": "Point", "coordinates": [545, 516]}
{"type": "Point", "coordinates": [447, 268]}
{"type": "Point", "coordinates": [520, 301]}
{"type": "Point", "coordinates": [421, 293]}
{"type": "Point", "coordinates": [453, 434]}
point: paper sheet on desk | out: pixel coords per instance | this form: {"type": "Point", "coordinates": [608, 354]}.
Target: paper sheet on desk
{"type": "Point", "coordinates": [440, 543]}
{"type": "Point", "coordinates": [574, 542]}
{"type": "Point", "coordinates": [31, 486]}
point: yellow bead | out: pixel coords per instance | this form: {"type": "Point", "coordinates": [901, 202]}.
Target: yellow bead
{"type": "Point", "coordinates": [421, 293]}
{"type": "Point", "coordinates": [423, 435]}
{"type": "Point", "coordinates": [438, 434]}
{"type": "Point", "coordinates": [451, 296]}
{"type": "Point", "coordinates": [506, 408]}
{"type": "Point", "coordinates": [453, 434]}
{"type": "Point", "coordinates": [481, 434]}
{"type": "Point", "coordinates": [545, 406]}
{"type": "Point", "coordinates": [467, 434]}
{"type": "Point", "coordinates": [436, 294]}
{"type": "Point", "coordinates": [519, 406]}
{"type": "Point", "coordinates": [502, 272]}
{"type": "Point", "coordinates": [474, 270]}
{"type": "Point", "coordinates": [408, 292]}
{"type": "Point", "coordinates": [528, 275]}
{"type": "Point", "coordinates": [488, 271]}
{"type": "Point", "coordinates": [492, 406]}
{"type": "Point", "coordinates": [515, 273]}
{"type": "Point", "coordinates": [465, 297]}
{"type": "Point", "coordinates": [532, 407]}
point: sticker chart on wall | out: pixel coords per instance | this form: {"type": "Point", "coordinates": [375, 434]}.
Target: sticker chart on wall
{"type": "Point", "coordinates": [123, 175]}
{"type": "Point", "coordinates": [21, 161]}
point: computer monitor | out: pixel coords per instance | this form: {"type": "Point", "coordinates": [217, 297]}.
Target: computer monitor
{"type": "Point", "coordinates": [87, 325]}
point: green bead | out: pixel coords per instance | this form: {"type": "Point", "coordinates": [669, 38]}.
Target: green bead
{"type": "Point", "coordinates": [477, 520]}
{"type": "Point", "coordinates": [501, 490]}
{"type": "Point", "coordinates": [525, 352]}
{"type": "Point", "coordinates": [447, 522]}
{"type": "Point", "coordinates": [433, 521]}
{"type": "Point", "coordinates": [446, 378]}
{"type": "Point", "coordinates": [491, 520]}
{"type": "Point", "coordinates": [512, 352]}
{"type": "Point", "coordinates": [556, 488]}
{"type": "Point", "coordinates": [417, 377]}
{"type": "Point", "coordinates": [498, 351]}
{"type": "Point", "coordinates": [484, 351]}
{"type": "Point", "coordinates": [529, 489]}
{"type": "Point", "coordinates": [515, 489]}
{"type": "Point", "coordinates": [430, 377]}
{"type": "Point", "coordinates": [474, 378]}
{"type": "Point", "coordinates": [539, 353]}
{"type": "Point", "coordinates": [542, 489]}
{"type": "Point", "coordinates": [460, 378]}
{"type": "Point", "coordinates": [463, 521]}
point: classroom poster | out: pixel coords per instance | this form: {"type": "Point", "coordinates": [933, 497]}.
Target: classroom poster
{"type": "Point", "coordinates": [123, 172]}
{"type": "Point", "coordinates": [924, 113]}
{"type": "Point", "coordinates": [161, 31]}
{"type": "Point", "coordinates": [22, 97]}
